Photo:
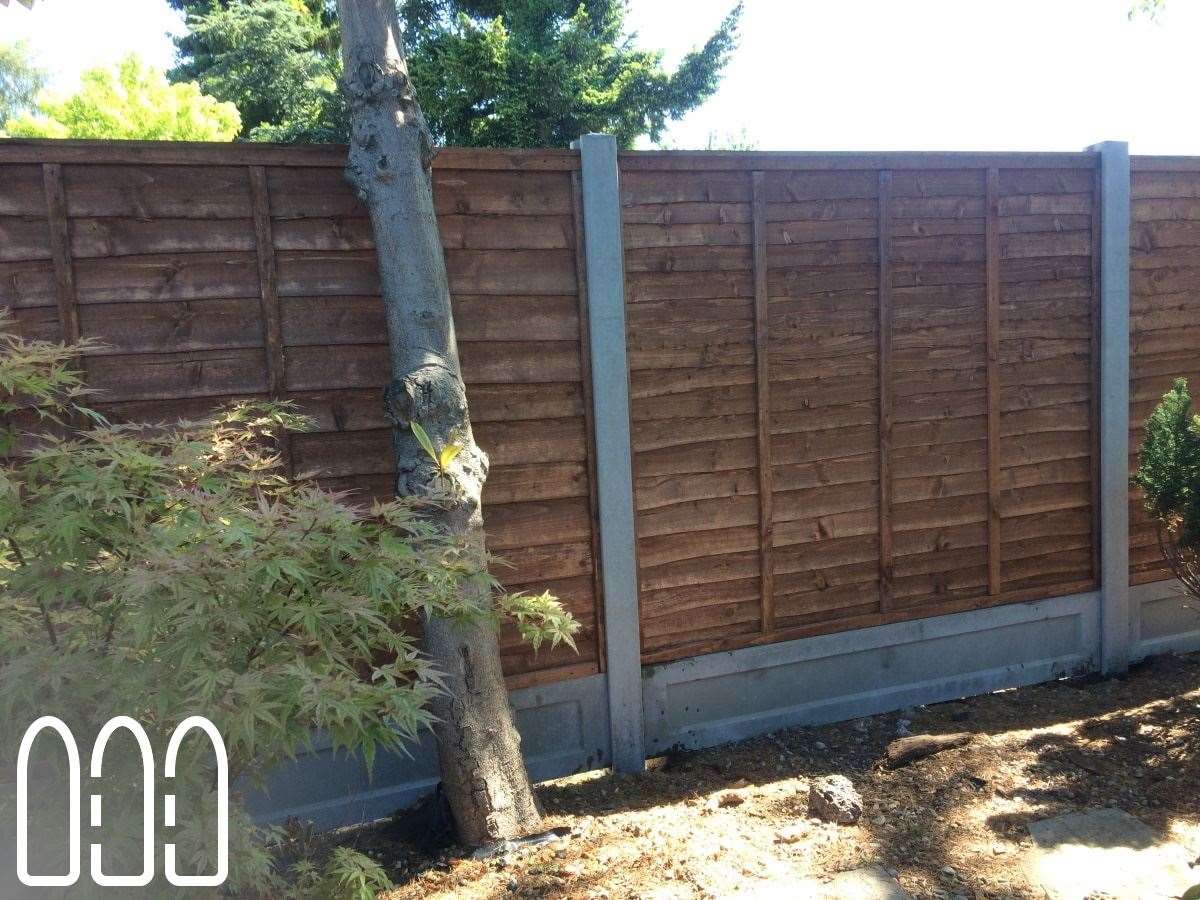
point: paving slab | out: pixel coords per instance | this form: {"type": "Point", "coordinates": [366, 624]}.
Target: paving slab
{"type": "Point", "coordinates": [1106, 853]}
{"type": "Point", "coordinates": [867, 883]}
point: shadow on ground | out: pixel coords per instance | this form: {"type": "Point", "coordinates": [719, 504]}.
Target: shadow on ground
{"type": "Point", "coordinates": [954, 823]}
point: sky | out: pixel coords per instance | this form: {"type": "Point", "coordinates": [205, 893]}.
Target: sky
{"type": "Point", "coordinates": [838, 74]}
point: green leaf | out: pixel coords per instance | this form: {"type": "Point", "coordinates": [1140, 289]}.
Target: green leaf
{"type": "Point", "coordinates": [1192, 893]}
{"type": "Point", "coordinates": [423, 439]}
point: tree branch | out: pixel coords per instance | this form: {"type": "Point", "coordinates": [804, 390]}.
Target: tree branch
{"type": "Point", "coordinates": [50, 630]}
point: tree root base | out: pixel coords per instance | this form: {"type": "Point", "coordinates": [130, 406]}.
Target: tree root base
{"type": "Point", "coordinates": [503, 848]}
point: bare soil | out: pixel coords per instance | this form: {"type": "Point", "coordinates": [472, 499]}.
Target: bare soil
{"type": "Point", "coordinates": [719, 822]}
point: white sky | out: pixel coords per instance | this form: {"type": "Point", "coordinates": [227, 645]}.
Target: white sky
{"type": "Point", "coordinates": [841, 74]}
{"type": "Point", "coordinates": [68, 36]}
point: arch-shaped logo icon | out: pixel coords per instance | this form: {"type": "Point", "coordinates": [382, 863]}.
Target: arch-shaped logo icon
{"type": "Point", "coordinates": [97, 761]}
{"type": "Point", "coordinates": [27, 740]}
{"type": "Point", "coordinates": [139, 734]}
{"type": "Point", "coordinates": [222, 872]}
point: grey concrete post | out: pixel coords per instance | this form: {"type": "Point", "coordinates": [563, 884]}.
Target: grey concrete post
{"type": "Point", "coordinates": [614, 456]}
{"type": "Point", "coordinates": [1116, 612]}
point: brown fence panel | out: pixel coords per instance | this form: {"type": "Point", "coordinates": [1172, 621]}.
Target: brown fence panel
{"type": "Point", "coordinates": [917, 322]}
{"type": "Point", "coordinates": [1164, 305]}
{"type": "Point", "coordinates": [209, 281]}
{"type": "Point", "coordinates": [863, 386]}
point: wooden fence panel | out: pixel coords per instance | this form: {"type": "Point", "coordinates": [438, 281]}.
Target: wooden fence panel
{"type": "Point", "coordinates": [209, 282]}
{"type": "Point", "coordinates": [925, 377]}
{"type": "Point", "coordinates": [1164, 306]}
{"type": "Point", "coordinates": [863, 387]}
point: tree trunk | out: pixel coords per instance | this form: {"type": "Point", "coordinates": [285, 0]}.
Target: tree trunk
{"type": "Point", "coordinates": [483, 775]}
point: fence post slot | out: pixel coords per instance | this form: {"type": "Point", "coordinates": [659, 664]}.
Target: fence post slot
{"type": "Point", "coordinates": [1116, 613]}
{"type": "Point", "coordinates": [614, 455]}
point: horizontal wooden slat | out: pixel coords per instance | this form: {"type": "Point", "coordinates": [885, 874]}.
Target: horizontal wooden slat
{"type": "Point", "coordinates": [24, 237]}
{"type": "Point", "coordinates": [357, 409]}
{"type": "Point", "coordinates": [505, 484]}
{"type": "Point", "coordinates": [188, 276]}
{"type": "Point", "coordinates": [366, 366]}
{"type": "Point", "coordinates": [537, 523]}
{"type": "Point", "coordinates": [166, 327]}
{"type": "Point", "coordinates": [528, 272]}
{"type": "Point", "coordinates": [770, 159]}
{"type": "Point", "coordinates": [369, 451]}
{"type": "Point", "coordinates": [163, 376]}
{"type": "Point", "coordinates": [21, 190]}
{"type": "Point", "coordinates": [202, 153]}
{"type": "Point", "coordinates": [458, 232]}
{"type": "Point", "coordinates": [309, 321]}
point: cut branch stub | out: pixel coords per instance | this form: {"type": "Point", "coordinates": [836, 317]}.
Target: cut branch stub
{"type": "Point", "coordinates": [909, 749]}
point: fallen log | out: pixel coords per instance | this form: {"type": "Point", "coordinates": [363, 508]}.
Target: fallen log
{"type": "Point", "coordinates": [904, 750]}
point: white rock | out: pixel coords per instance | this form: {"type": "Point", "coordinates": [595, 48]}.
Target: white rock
{"type": "Point", "coordinates": [834, 799]}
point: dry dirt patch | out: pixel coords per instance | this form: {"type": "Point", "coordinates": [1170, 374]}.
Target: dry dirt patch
{"type": "Point", "coordinates": [720, 822]}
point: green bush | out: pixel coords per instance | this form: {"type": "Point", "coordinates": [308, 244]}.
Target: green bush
{"type": "Point", "coordinates": [129, 101]}
{"type": "Point", "coordinates": [161, 572]}
{"type": "Point", "coordinates": [1169, 476]}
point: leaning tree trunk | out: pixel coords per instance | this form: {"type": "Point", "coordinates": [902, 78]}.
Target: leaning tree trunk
{"type": "Point", "coordinates": [483, 775]}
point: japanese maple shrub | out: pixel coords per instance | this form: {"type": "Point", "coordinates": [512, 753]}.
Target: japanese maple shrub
{"type": "Point", "coordinates": [162, 572]}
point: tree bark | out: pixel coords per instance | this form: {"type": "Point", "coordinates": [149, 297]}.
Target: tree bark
{"type": "Point", "coordinates": [391, 151]}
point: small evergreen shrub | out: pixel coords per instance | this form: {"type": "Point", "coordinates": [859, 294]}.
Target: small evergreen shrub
{"type": "Point", "coordinates": [1169, 476]}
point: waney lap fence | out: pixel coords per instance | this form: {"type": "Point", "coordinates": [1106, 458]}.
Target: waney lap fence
{"type": "Point", "coordinates": [794, 436]}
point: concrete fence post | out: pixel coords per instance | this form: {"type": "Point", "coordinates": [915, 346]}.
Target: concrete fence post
{"type": "Point", "coordinates": [1116, 612]}
{"type": "Point", "coordinates": [614, 455]}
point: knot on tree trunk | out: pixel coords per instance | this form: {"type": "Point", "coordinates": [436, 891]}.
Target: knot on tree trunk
{"type": "Point", "coordinates": [433, 397]}
{"type": "Point", "coordinates": [371, 87]}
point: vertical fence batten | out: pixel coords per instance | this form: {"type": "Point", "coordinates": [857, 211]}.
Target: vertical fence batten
{"type": "Point", "coordinates": [884, 362]}
{"type": "Point", "coordinates": [614, 456]}
{"type": "Point", "coordinates": [264, 247]}
{"type": "Point", "coordinates": [992, 240]}
{"type": "Point", "coordinates": [60, 252]}
{"type": "Point", "coordinates": [762, 333]}
{"type": "Point", "coordinates": [268, 286]}
{"type": "Point", "coordinates": [1116, 621]}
